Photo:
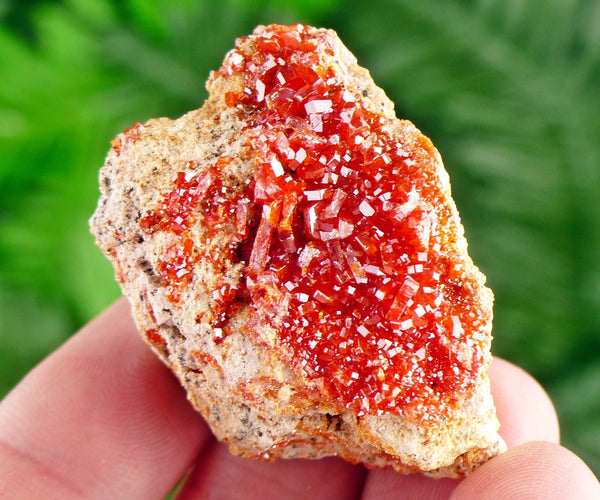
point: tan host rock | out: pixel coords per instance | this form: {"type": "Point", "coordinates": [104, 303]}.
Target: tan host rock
{"type": "Point", "coordinates": [292, 251]}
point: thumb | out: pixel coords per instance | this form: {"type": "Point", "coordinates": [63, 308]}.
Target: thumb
{"type": "Point", "coordinates": [532, 470]}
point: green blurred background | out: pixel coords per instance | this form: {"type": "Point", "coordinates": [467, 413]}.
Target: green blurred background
{"type": "Point", "coordinates": [508, 90]}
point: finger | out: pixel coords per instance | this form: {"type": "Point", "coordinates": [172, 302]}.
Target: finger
{"type": "Point", "coordinates": [219, 474]}
{"type": "Point", "coordinates": [99, 418]}
{"type": "Point", "coordinates": [523, 407]}
{"type": "Point", "coordinates": [531, 470]}
{"type": "Point", "coordinates": [389, 485]}
{"type": "Point", "coordinates": [525, 413]}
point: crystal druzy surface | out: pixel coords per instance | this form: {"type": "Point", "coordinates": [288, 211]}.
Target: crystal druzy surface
{"type": "Point", "coordinates": [343, 231]}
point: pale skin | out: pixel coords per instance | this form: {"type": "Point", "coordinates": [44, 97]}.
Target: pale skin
{"type": "Point", "coordinates": [102, 417]}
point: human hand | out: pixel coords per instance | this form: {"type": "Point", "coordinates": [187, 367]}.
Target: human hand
{"type": "Point", "coordinates": [102, 417]}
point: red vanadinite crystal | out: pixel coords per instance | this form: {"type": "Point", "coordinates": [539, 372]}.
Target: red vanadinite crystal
{"type": "Point", "coordinates": [128, 136]}
{"type": "Point", "coordinates": [345, 263]}
{"type": "Point", "coordinates": [153, 336]}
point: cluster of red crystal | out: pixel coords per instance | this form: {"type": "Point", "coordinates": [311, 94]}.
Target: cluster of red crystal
{"type": "Point", "coordinates": [199, 194]}
{"type": "Point", "coordinates": [129, 136]}
{"type": "Point", "coordinates": [346, 263]}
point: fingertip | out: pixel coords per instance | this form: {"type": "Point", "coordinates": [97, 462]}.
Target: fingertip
{"type": "Point", "coordinates": [524, 409]}
{"type": "Point", "coordinates": [531, 470]}
{"type": "Point", "coordinates": [386, 485]}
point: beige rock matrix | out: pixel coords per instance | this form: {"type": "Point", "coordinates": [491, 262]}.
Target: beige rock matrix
{"type": "Point", "coordinates": [292, 252]}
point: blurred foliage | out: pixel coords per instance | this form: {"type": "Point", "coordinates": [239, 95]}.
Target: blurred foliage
{"type": "Point", "coordinates": [507, 89]}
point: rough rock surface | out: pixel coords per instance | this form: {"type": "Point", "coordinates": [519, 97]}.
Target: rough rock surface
{"type": "Point", "coordinates": [238, 229]}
